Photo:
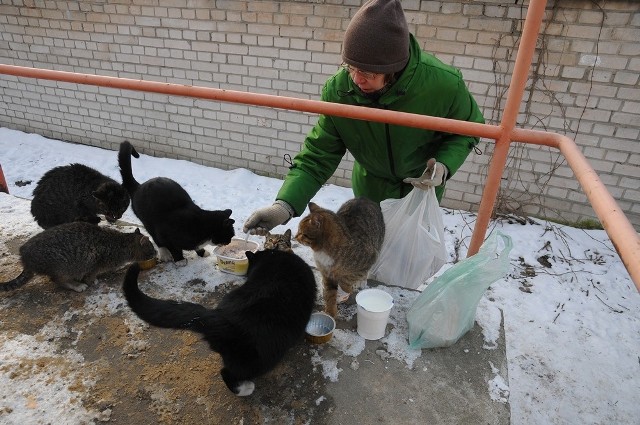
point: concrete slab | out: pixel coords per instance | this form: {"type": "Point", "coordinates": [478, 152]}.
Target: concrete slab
{"type": "Point", "coordinates": [443, 386]}
{"type": "Point", "coordinates": [131, 373]}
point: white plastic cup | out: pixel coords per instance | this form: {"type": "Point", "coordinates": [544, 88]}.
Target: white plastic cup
{"type": "Point", "coordinates": [374, 307]}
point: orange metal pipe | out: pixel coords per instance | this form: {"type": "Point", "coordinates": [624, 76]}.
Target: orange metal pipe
{"type": "Point", "coordinates": [3, 183]}
{"type": "Point", "coordinates": [618, 227]}
{"type": "Point", "coordinates": [290, 103]}
{"type": "Point", "coordinates": [535, 13]}
{"type": "Point", "coordinates": [625, 239]}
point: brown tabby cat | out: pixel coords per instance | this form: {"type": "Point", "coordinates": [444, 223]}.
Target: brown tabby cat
{"type": "Point", "coordinates": [279, 242]}
{"type": "Point", "coordinates": [345, 244]}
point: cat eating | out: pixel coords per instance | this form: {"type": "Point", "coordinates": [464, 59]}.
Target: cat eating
{"type": "Point", "coordinates": [345, 244]}
{"type": "Point", "coordinates": [77, 192]}
{"type": "Point", "coordinates": [169, 214]}
{"type": "Point", "coordinates": [74, 254]}
{"type": "Point", "coordinates": [253, 326]}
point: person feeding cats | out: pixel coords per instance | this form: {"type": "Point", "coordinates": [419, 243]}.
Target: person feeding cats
{"type": "Point", "coordinates": [384, 67]}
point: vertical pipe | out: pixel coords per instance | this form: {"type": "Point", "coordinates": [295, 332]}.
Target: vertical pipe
{"type": "Point", "coordinates": [519, 77]}
{"type": "Point", "coordinates": [3, 183]}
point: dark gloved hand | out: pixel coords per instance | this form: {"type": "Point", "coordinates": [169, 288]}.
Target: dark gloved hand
{"type": "Point", "coordinates": [434, 175]}
{"type": "Point", "coordinates": [264, 219]}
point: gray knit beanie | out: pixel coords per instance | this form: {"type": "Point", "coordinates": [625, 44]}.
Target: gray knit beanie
{"type": "Point", "coordinates": [377, 38]}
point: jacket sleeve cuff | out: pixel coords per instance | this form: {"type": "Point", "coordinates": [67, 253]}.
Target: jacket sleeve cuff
{"type": "Point", "coordinates": [287, 207]}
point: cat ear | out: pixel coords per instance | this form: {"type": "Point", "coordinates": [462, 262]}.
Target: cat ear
{"type": "Point", "coordinates": [316, 221]}
{"type": "Point", "coordinates": [137, 232]}
{"type": "Point", "coordinates": [228, 212]}
{"type": "Point", "coordinates": [287, 233]}
{"type": "Point", "coordinates": [313, 207]}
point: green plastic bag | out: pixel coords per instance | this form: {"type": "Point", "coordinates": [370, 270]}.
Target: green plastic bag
{"type": "Point", "coordinates": [446, 309]}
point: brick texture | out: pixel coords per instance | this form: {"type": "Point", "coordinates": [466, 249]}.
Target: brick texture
{"type": "Point", "coordinates": [583, 84]}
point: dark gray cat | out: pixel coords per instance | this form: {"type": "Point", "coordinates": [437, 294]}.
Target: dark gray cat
{"type": "Point", "coordinates": [74, 254]}
{"type": "Point", "coordinates": [169, 214]}
{"type": "Point", "coordinates": [345, 244]}
{"type": "Point", "coordinates": [76, 192]}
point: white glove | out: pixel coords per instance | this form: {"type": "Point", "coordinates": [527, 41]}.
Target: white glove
{"type": "Point", "coordinates": [434, 175]}
{"type": "Point", "coordinates": [264, 219]}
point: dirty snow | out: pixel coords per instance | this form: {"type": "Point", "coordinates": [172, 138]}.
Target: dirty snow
{"type": "Point", "coordinates": [572, 330]}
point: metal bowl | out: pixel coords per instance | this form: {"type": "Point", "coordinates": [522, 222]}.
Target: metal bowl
{"type": "Point", "coordinates": [320, 328]}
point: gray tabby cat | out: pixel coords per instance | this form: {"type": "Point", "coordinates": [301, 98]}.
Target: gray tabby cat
{"type": "Point", "coordinates": [74, 254]}
{"type": "Point", "coordinates": [345, 244]}
{"type": "Point", "coordinates": [77, 192]}
{"type": "Point", "coordinates": [279, 242]}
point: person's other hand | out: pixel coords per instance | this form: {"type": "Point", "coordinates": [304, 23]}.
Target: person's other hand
{"type": "Point", "coordinates": [434, 175]}
{"type": "Point", "coordinates": [264, 219]}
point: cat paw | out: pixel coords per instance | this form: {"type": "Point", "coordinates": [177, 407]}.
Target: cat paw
{"type": "Point", "coordinates": [342, 296]}
{"type": "Point", "coordinates": [164, 255]}
{"type": "Point", "coordinates": [78, 287]}
{"type": "Point", "coordinates": [331, 311]}
{"type": "Point", "coordinates": [245, 388]}
{"type": "Point", "coordinates": [202, 252]}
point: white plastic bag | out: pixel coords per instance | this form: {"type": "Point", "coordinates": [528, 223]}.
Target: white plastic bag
{"type": "Point", "coordinates": [413, 248]}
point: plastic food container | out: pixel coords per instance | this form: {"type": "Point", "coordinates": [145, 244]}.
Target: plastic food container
{"type": "Point", "coordinates": [232, 258]}
{"type": "Point", "coordinates": [320, 328]}
{"type": "Point", "coordinates": [148, 264]}
{"type": "Point", "coordinates": [374, 307]}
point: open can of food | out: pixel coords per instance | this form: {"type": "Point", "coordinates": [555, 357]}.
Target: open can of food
{"type": "Point", "coordinates": [232, 257]}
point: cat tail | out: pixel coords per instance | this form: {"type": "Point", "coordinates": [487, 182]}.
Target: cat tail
{"type": "Point", "coordinates": [124, 161]}
{"type": "Point", "coordinates": [19, 281]}
{"type": "Point", "coordinates": [163, 313]}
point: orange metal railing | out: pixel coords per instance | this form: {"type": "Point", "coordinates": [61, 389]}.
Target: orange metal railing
{"type": "Point", "coordinates": [4, 187]}
{"type": "Point", "coordinates": [624, 237]}
{"type": "Point", "coordinates": [508, 122]}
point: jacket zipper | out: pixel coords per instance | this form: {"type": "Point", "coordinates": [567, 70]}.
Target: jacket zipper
{"type": "Point", "coordinates": [392, 162]}
{"type": "Point", "coordinates": [389, 150]}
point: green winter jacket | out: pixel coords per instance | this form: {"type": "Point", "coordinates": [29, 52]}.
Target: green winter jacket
{"type": "Point", "coordinates": [385, 154]}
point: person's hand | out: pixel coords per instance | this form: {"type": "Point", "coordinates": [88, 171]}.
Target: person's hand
{"type": "Point", "coordinates": [434, 175]}
{"type": "Point", "coordinates": [264, 219]}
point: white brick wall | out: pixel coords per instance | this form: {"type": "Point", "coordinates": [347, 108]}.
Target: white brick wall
{"type": "Point", "coordinates": [584, 83]}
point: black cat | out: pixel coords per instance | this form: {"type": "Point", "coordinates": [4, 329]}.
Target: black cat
{"type": "Point", "coordinates": [169, 214]}
{"type": "Point", "coordinates": [77, 192]}
{"type": "Point", "coordinates": [253, 326]}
